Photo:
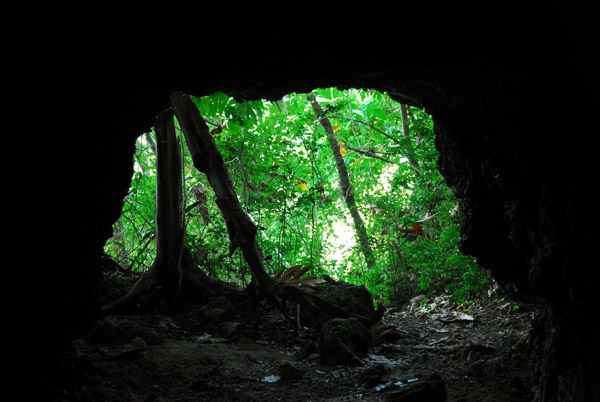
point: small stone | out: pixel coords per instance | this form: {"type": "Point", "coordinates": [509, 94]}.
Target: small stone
{"type": "Point", "coordinates": [289, 372]}
{"type": "Point", "coordinates": [432, 390]}
{"type": "Point", "coordinates": [139, 342]}
{"type": "Point", "coordinates": [127, 354]}
{"type": "Point", "coordinates": [231, 328]}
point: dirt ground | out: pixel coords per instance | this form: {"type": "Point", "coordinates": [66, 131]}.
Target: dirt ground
{"type": "Point", "coordinates": [477, 352]}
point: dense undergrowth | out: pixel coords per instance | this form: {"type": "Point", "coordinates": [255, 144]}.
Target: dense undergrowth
{"type": "Point", "coordinates": [283, 169]}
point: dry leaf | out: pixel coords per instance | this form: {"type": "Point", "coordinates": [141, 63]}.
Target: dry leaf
{"type": "Point", "coordinates": [417, 229]}
{"type": "Point", "coordinates": [293, 276]}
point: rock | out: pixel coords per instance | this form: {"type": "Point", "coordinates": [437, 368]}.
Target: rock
{"type": "Point", "coordinates": [231, 328]}
{"type": "Point", "coordinates": [289, 372]}
{"type": "Point", "coordinates": [342, 339]}
{"type": "Point", "coordinates": [126, 354]}
{"type": "Point", "coordinates": [375, 375]}
{"type": "Point", "coordinates": [414, 302]}
{"type": "Point", "coordinates": [355, 300]}
{"type": "Point", "coordinates": [218, 309]}
{"type": "Point", "coordinates": [217, 315]}
{"type": "Point", "coordinates": [112, 329]}
{"type": "Point", "coordinates": [432, 390]}
{"type": "Point", "coordinates": [139, 342]}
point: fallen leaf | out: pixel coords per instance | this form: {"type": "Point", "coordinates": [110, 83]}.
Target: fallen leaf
{"type": "Point", "coordinates": [417, 228]}
{"type": "Point", "coordinates": [293, 276]}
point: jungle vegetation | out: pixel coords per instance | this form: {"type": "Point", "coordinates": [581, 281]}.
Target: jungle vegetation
{"type": "Point", "coordinates": [343, 181]}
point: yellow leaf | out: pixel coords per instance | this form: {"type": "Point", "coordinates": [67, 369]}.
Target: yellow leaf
{"type": "Point", "coordinates": [301, 184]}
{"type": "Point", "coordinates": [336, 128]}
{"type": "Point", "coordinates": [343, 149]}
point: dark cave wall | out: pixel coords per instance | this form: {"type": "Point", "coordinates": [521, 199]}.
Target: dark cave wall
{"type": "Point", "coordinates": [524, 188]}
{"type": "Point", "coordinates": [512, 99]}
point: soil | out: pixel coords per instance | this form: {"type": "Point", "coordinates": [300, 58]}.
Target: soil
{"type": "Point", "coordinates": [475, 352]}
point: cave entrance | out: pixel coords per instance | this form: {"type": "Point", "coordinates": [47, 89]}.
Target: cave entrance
{"type": "Point", "coordinates": [283, 159]}
{"type": "Point", "coordinates": [404, 241]}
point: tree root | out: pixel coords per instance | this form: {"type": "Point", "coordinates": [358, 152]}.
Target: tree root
{"type": "Point", "coordinates": [191, 283]}
{"type": "Point", "coordinates": [147, 283]}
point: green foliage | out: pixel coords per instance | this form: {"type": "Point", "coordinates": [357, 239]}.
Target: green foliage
{"type": "Point", "coordinates": [132, 242]}
{"type": "Point", "coordinates": [284, 174]}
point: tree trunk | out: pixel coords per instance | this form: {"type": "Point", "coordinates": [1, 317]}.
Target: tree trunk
{"type": "Point", "coordinates": [169, 223]}
{"type": "Point", "coordinates": [173, 267]}
{"type": "Point", "coordinates": [346, 187]}
{"type": "Point", "coordinates": [169, 197]}
{"type": "Point", "coordinates": [208, 160]}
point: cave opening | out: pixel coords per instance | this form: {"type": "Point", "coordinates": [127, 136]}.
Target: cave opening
{"type": "Point", "coordinates": [423, 338]}
{"type": "Point", "coordinates": [418, 329]}
{"type": "Point", "coordinates": [511, 97]}
{"type": "Point", "coordinates": [284, 173]}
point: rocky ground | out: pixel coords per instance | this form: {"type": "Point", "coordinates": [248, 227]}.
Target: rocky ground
{"type": "Point", "coordinates": [431, 351]}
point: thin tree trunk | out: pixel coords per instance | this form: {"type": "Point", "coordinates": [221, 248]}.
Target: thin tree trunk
{"type": "Point", "coordinates": [409, 148]}
{"type": "Point", "coordinates": [151, 142]}
{"type": "Point", "coordinates": [345, 185]}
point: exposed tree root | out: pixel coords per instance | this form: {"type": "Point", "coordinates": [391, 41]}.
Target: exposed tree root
{"type": "Point", "coordinates": [190, 284]}
{"type": "Point", "coordinates": [147, 283]}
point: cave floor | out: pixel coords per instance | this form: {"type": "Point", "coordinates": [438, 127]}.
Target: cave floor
{"type": "Point", "coordinates": [481, 353]}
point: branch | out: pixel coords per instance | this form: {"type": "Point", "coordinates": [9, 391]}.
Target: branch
{"type": "Point", "coordinates": [194, 205]}
{"type": "Point", "coordinates": [369, 153]}
{"type": "Point", "coordinates": [413, 165]}
{"type": "Point", "coordinates": [368, 125]}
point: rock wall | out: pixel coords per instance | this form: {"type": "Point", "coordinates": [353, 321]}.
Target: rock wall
{"type": "Point", "coordinates": [513, 98]}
